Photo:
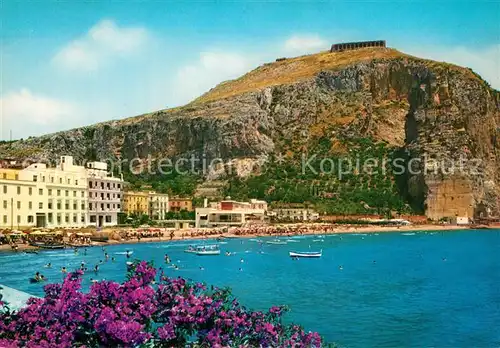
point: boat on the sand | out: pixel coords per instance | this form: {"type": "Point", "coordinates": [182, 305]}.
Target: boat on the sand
{"type": "Point", "coordinates": [306, 254]}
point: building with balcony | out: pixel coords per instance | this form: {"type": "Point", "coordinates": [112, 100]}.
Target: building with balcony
{"type": "Point", "coordinates": [231, 213]}
{"type": "Point", "coordinates": [136, 202]}
{"type": "Point", "coordinates": [158, 205]}
{"type": "Point", "coordinates": [41, 196]}
{"type": "Point", "coordinates": [105, 195]}
{"type": "Point", "coordinates": [293, 212]}
{"type": "Point", "coordinates": [177, 204]}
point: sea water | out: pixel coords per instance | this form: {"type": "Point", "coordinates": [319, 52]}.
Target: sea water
{"type": "Point", "coordinates": [437, 289]}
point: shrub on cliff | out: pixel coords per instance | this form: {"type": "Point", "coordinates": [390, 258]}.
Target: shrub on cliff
{"type": "Point", "coordinates": [142, 312]}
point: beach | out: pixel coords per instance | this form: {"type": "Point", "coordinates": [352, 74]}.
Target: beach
{"type": "Point", "coordinates": [253, 232]}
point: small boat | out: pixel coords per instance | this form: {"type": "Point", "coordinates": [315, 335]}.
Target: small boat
{"type": "Point", "coordinates": [306, 254]}
{"type": "Point", "coordinates": [276, 242]}
{"type": "Point", "coordinates": [31, 252]}
{"type": "Point", "coordinates": [207, 250]}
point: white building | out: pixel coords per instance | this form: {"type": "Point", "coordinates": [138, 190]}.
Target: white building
{"type": "Point", "coordinates": [294, 213]}
{"type": "Point", "coordinates": [158, 205]}
{"type": "Point", "coordinates": [230, 213]}
{"type": "Point", "coordinates": [55, 197]}
{"type": "Point", "coordinates": [105, 195]}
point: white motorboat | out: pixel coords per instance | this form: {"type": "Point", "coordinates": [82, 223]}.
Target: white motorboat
{"type": "Point", "coordinates": [203, 250]}
{"type": "Point", "coordinates": [306, 254]}
{"type": "Point", "coordinates": [276, 242]}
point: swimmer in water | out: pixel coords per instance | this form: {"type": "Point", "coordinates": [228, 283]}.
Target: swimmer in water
{"type": "Point", "coordinates": [37, 276]}
{"type": "Point", "coordinates": [96, 268]}
{"type": "Point", "coordinates": [341, 267]}
{"type": "Point", "coordinates": [202, 269]}
{"type": "Point", "coordinates": [63, 270]}
{"type": "Point", "coordinates": [48, 265]}
{"type": "Point", "coordinates": [128, 254]}
{"type": "Point", "coordinates": [241, 260]}
{"type": "Point", "coordinates": [100, 261]}
{"type": "Point", "coordinates": [112, 259]}
{"type": "Point", "coordinates": [93, 280]}
{"type": "Point", "coordinates": [240, 269]}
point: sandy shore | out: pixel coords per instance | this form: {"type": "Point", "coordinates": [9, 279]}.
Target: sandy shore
{"type": "Point", "coordinates": [184, 234]}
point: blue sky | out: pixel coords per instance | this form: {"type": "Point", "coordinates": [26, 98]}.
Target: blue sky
{"type": "Point", "coordinates": [74, 63]}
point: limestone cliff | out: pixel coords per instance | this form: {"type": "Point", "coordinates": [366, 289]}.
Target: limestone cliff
{"type": "Point", "coordinates": [422, 109]}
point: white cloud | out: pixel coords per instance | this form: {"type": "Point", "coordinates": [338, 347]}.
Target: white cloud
{"type": "Point", "coordinates": [104, 41]}
{"type": "Point", "coordinates": [24, 110]}
{"type": "Point", "coordinates": [485, 61]}
{"type": "Point", "coordinates": [212, 68]}
{"type": "Point", "coordinates": [302, 44]}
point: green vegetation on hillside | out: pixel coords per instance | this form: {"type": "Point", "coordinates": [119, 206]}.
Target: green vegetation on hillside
{"type": "Point", "coordinates": [355, 189]}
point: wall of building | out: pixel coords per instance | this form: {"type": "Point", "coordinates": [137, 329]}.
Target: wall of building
{"type": "Point", "coordinates": [178, 204]}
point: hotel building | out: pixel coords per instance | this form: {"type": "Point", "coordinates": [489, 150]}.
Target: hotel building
{"type": "Point", "coordinates": [105, 195]}
{"type": "Point", "coordinates": [158, 205]}
{"type": "Point", "coordinates": [231, 213]}
{"type": "Point", "coordinates": [40, 196]}
{"type": "Point", "coordinates": [151, 203]}
{"type": "Point", "coordinates": [135, 202]}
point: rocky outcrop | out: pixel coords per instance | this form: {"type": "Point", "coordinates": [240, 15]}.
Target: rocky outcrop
{"type": "Point", "coordinates": [444, 120]}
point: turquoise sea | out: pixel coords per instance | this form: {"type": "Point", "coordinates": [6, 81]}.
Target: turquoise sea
{"type": "Point", "coordinates": [421, 289]}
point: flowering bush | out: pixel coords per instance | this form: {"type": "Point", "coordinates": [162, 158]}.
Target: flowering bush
{"type": "Point", "coordinates": [143, 312]}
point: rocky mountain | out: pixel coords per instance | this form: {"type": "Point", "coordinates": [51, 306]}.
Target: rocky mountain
{"type": "Point", "coordinates": [440, 120]}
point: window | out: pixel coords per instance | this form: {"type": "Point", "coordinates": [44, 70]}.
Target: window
{"type": "Point", "coordinates": [60, 180]}
{"type": "Point", "coordinates": [74, 218]}
{"type": "Point", "coordinates": [66, 205]}
{"type": "Point", "coordinates": [83, 194]}
{"type": "Point", "coordinates": [93, 218]}
{"type": "Point", "coordinates": [118, 195]}
{"type": "Point", "coordinates": [50, 192]}
{"type": "Point", "coordinates": [108, 196]}
{"type": "Point", "coordinates": [108, 186]}
{"type": "Point", "coordinates": [17, 176]}
{"type": "Point", "coordinates": [40, 192]}
{"type": "Point", "coordinates": [90, 184]}
{"type": "Point", "coordinates": [107, 206]}
{"type": "Point", "coordinates": [108, 218]}
{"type": "Point", "coordinates": [66, 218]}
{"type": "Point", "coordinates": [34, 178]}
{"type": "Point", "coordinates": [18, 204]}
{"type": "Point", "coordinates": [76, 182]}
{"type": "Point", "coordinates": [50, 218]}
{"type": "Point", "coordinates": [5, 204]}
{"type": "Point", "coordinates": [118, 185]}
{"type": "Point", "coordinates": [58, 219]}
{"type": "Point", "coordinates": [40, 205]}
{"type": "Point", "coordinates": [18, 219]}
{"type": "Point", "coordinates": [4, 188]}
{"type": "Point", "coordinates": [66, 193]}
{"type": "Point", "coordinates": [102, 206]}
{"type": "Point", "coordinates": [83, 206]}
{"type": "Point", "coordinates": [75, 206]}
{"type": "Point", "coordinates": [30, 205]}
{"type": "Point", "coordinates": [19, 190]}
{"type": "Point", "coordinates": [74, 193]}
{"type": "Point", "coordinates": [50, 204]}
{"type": "Point", "coordinates": [58, 205]}
{"type": "Point", "coordinates": [5, 219]}
{"type": "Point", "coordinates": [117, 206]}
{"type": "Point", "coordinates": [43, 178]}
{"type": "Point", "coordinates": [30, 219]}
{"type": "Point", "coordinates": [90, 206]}
{"type": "Point", "coordinates": [52, 179]}
{"type": "Point", "coordinates": [69, 181]}
{"type": "Point", "coordinates": [58, 192]}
